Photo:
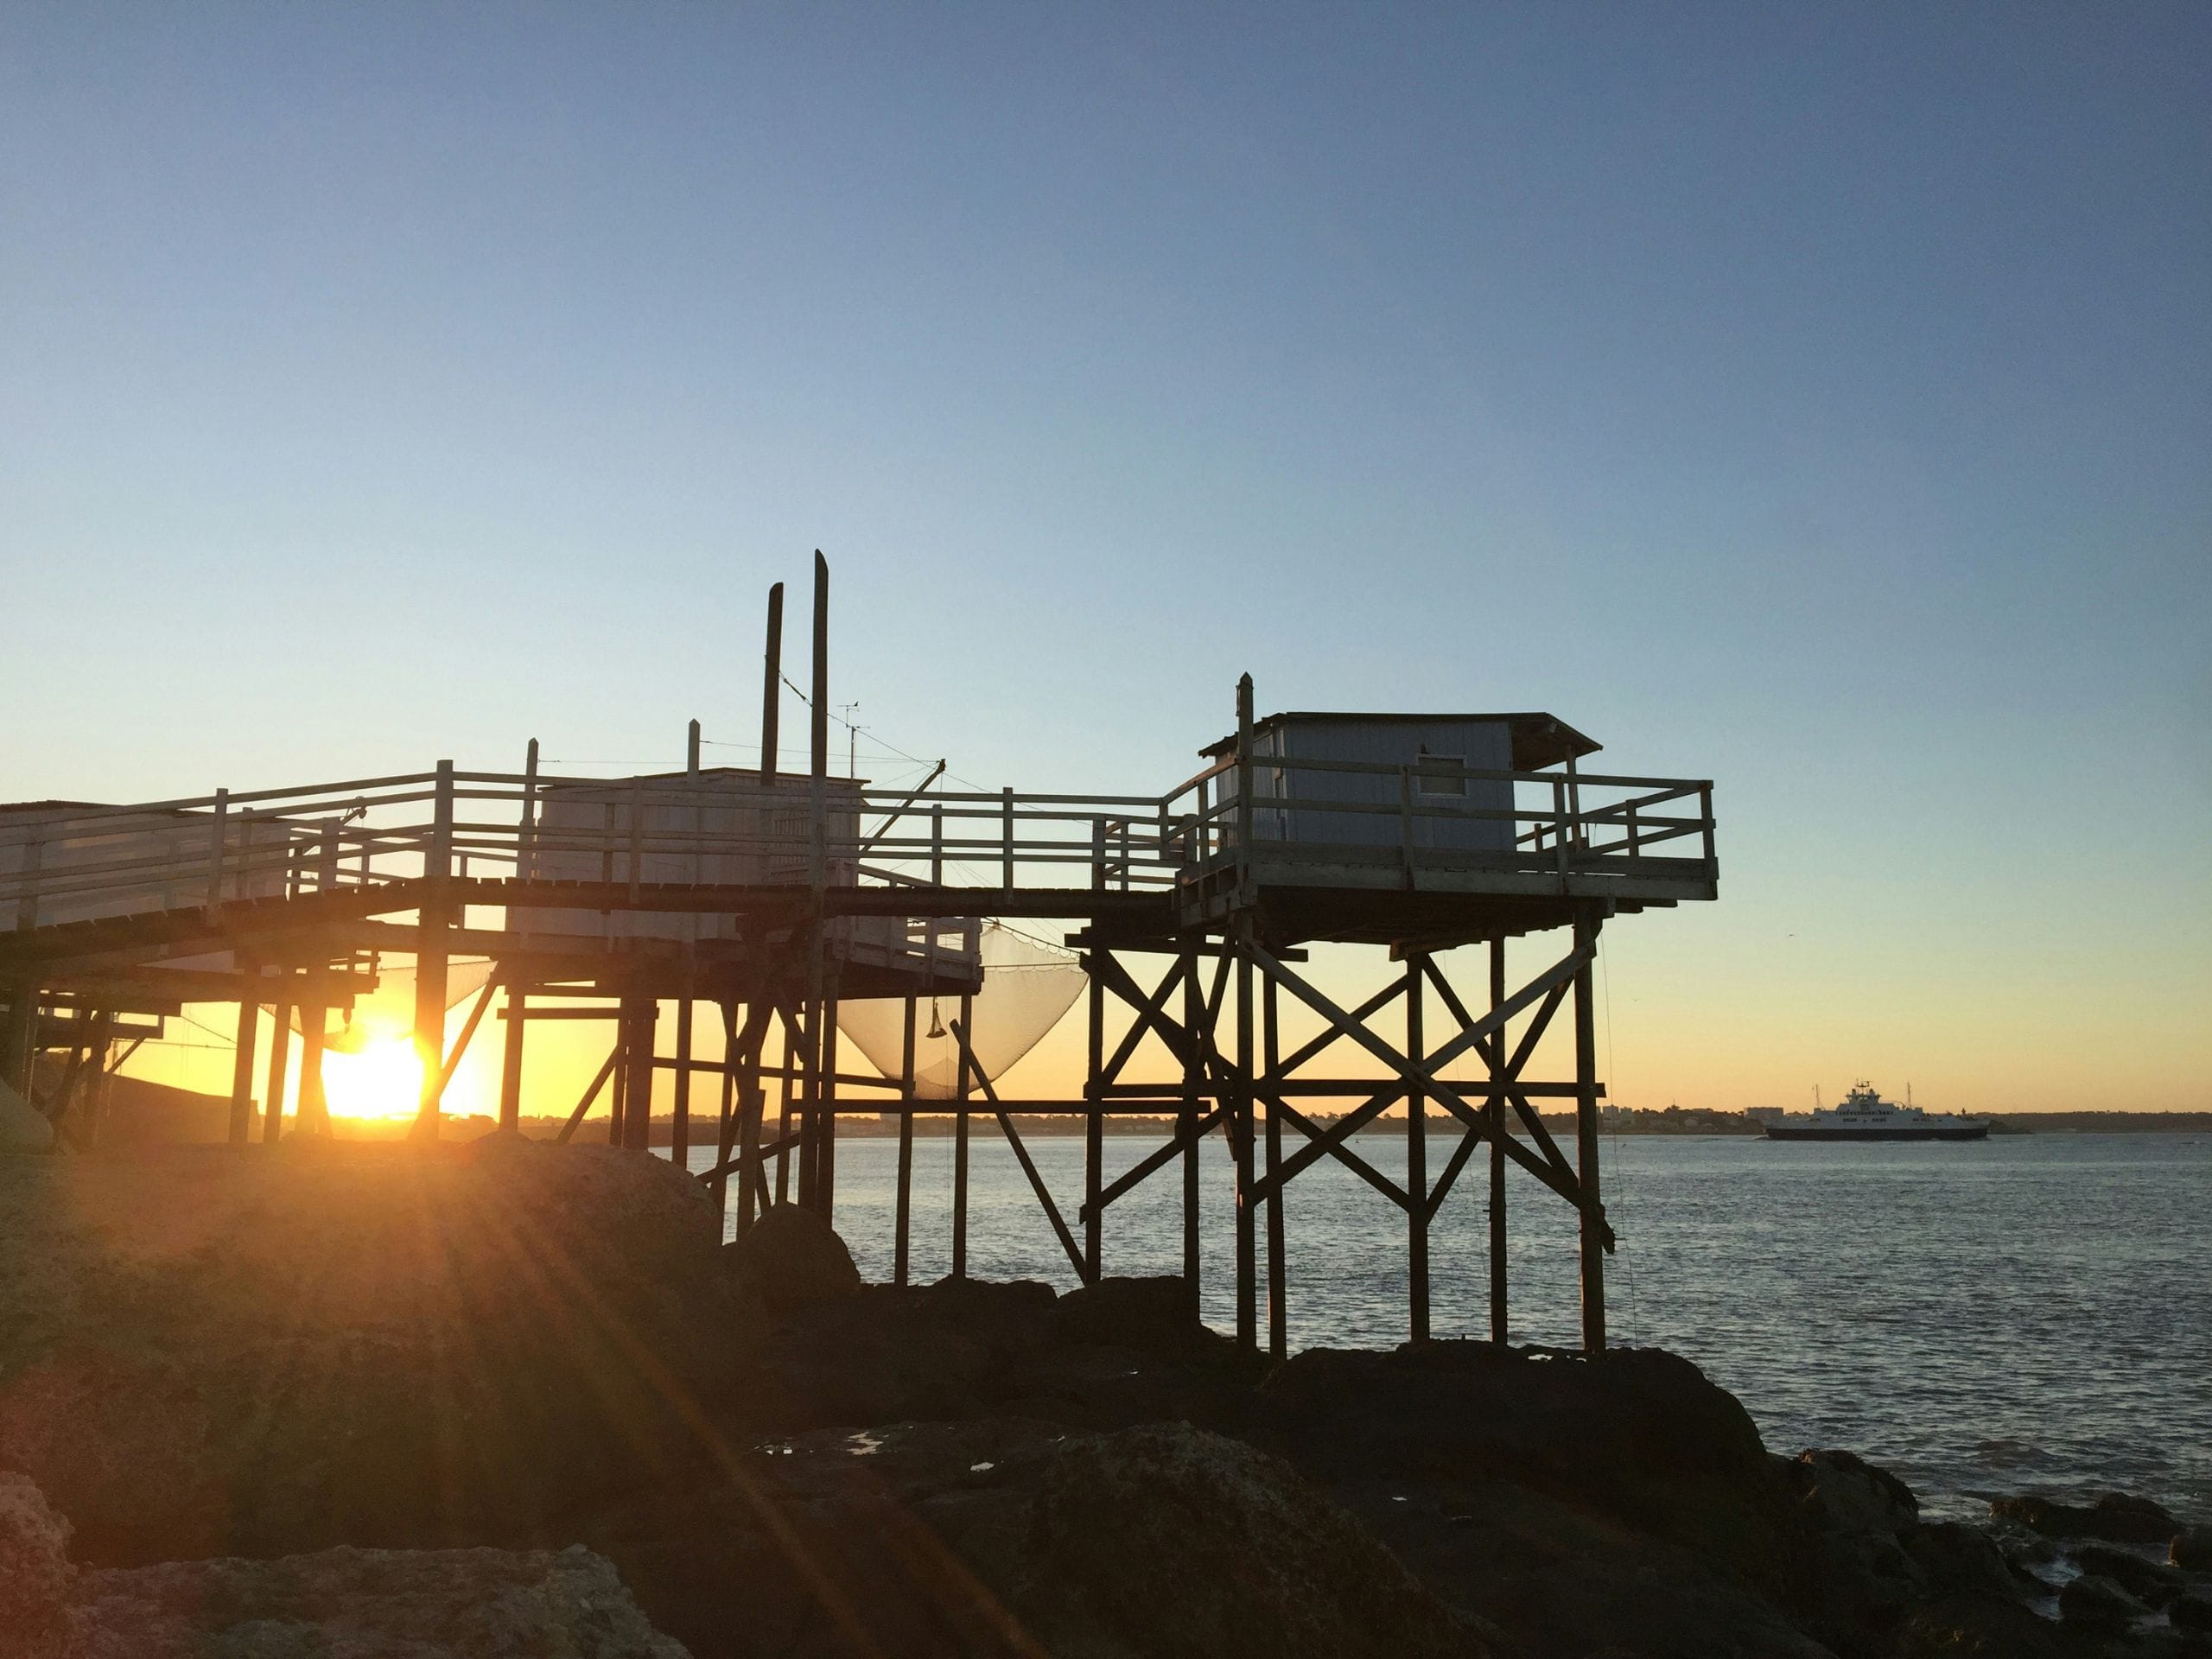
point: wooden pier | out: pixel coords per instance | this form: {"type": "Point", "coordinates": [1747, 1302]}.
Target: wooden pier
{"type": "Point", "coordinates": [759, 899]}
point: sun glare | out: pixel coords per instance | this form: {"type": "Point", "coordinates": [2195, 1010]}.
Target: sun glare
{"type": "Point", "coordinates": [384, 1080]}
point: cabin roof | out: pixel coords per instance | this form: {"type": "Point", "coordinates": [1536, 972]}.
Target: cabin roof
{"type": "Point", "coordinates": [1539, 740]}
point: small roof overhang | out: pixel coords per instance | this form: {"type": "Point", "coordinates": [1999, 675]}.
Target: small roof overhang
{"type": "Point", "coordinates": [1539, 740]}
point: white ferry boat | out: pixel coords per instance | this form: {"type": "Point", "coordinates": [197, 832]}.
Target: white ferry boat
{"type": "Point", "coordinates": [1864, 1116]}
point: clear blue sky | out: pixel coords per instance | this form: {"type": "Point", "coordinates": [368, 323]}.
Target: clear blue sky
{"type": "Point", "coordinates": [1818, 399]}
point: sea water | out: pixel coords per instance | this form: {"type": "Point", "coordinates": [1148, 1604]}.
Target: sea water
{"type": "Point", "coordinates": [2029, 1312]}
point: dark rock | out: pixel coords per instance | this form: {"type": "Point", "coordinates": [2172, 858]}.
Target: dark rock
{"type": "Point", "coordinates": [1562, 1582]}
{"type": "Point", "coordinates": [1640, 1434]}
{"type": "Point", "coordinates": [1001, 1537]}
{"type": "Point", "coordinates": [1961, 1561]}
{"type": "Point", "coordinates": [1153, 1316]}
{"type": "Point", "coordinates": [2190, 1613]}
{"type": "Point", "coordinates": [468, 1604]}
{"type": "Point", "coordinates": [1264, 1565]}
{"type": "Point", "coordinates": [2098, 1604]}
{"type": "Point", "coordinates": [1845, 1493]}
{"type": "Point", "coordinates": [791, 1258]}
{"type": "Point", "coordinates": [2190, 1549]}
{"type": "Point", "coordinates": [1974, 1628]}
{"type": "Point", "coordinates": [890, 1354]}
{"type": "Point", "coordinates": [2146, 1580]}
{"type": "Point", "coordinates": [36, 1577]}
{"type": "Point", "coordinates": [2113, 1516]}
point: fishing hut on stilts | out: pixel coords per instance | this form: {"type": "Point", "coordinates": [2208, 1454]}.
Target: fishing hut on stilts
{"type": "Point", "coordinates": [770, 901]}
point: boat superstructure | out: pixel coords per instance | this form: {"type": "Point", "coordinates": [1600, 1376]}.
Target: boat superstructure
{"type": "Point", "coordinates": [1864, 1116]}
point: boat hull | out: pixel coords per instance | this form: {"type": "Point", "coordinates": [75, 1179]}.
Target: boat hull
{"type": "Point", "coordinates": [1973, 1132]}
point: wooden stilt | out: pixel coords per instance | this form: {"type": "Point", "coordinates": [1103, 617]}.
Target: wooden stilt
{"type": "Point", "coordinates": [280, 1059]}
{"type": "Point", "coordinates": [1416, 1163]}
{"type": "Point", "coordinates": [726, 1126]}
{"type": "Point", "coordinates": [783, 1093]}
{"type": "Point", "coordinates": [430, 954]}
{"type": "Point", "coordinates": [679, 1144]}
{"type": "Point", "coordinates": [1242, 1139]}
{"type": "Point", "coordinates": [19, 1036]}
{"type": "Point", "coordinates": [1094, 1130]}
{"type": "Point", "coordinates": [1586, 1141]}
{"type": "Point", "coordinates": [1271, 1057]}
{"type": "Point", "coordinates": [826, 1111]}
{"type": "Point", "coordinates": [1496, 1111]}
{"type": "Point", "coordinates": [903, 1200]}
{"type": "Point", "coordinates": [960, 1151]}
{"type": "Point", "coordinates": [315, 1107]}
{"type": "Point", "coordinates": [1194, 1026]}
{"type": "Point", "coordinates": [510, 1058]}
{"type": "Point", "coordinates": [242, 1067]}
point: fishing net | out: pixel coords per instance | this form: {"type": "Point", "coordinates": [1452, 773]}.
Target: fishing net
{"type": "Point", "coordinates": [1027, 985]}
{"type": "Point", "coordinates": [389, 1010]}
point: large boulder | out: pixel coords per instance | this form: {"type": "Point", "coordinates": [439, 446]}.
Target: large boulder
{"type": "Point", "coordinates": [1005, 1536]}
{"type": "Point", "coordinates": [890, 1354]}
{"type": "Point", "coordinates": [1155, 1316]}
{"type": "Point", "coordinates": [1974, 1628]}
{"type": "Point", "coordinates": [37, 1582]}
{"type": "Point", "coordinates": [2150, 1582]}
{"type": "Point", "coordinates": [2190, 1549]}
{"type": "Point", "coordinates": [463, 1604]}
{"type": "Point", "coordinates": [1642, 1435]}
{"type": "Point", "coordinates": [1262, 1564]}
{"type": "Point", "coordinates": [2096, 1603]}
{"type": "Point", "coordinates": [24, 1128]}
{"type": "Point", "coordinates": [206, 1351]}
{"type": "Point", "coordinates": [791, 1258]}
{"type": "Point", "coordinates": [2115, 1517]}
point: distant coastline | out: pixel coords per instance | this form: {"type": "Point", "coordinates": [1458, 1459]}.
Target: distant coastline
{"type": "Point", "coordinates": [142, 1113]}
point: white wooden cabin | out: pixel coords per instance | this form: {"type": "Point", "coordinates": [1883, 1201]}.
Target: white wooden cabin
{"type": "Point", "coordinates": [1441, 751]}
{"type": "Point", "coordinates": [720, 827]}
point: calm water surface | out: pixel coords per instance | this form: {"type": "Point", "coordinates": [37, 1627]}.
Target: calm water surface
{"type": "Point", "coordinates": [2032, 1312]}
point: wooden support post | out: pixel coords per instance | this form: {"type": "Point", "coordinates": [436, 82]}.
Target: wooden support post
{"type": "Point", "coordinates": [1093, 1128]}
{"type": "Point", "coordinates": [280, 1059]}
{"type": "Point", "coordinates": [1271, 1057]}
{"type": "Point", "coordinates": [679, 1145]}
{"type": "Point", "coordinates": [1585, 1139]}
{"type": "Point", "coordinates": [1187, 1124]}
{"type": "Point", "coordinates": [1242, 1139]}
{"type": "Point", "coordinates": [511, 1057]}
{"type": "Point", "coordinates": [314, 1107]}
{"type": "Point", "coordinates": [435, 916]}
{"type": "Point", "coordinates": [784, 1092]}
{"type": "Point", "coordinates": [727, 1128]}
{"type": "Point", "coordinates": [826, 1113]}
{"type": "Point", "coordinates": [1495, 1110]}
{"type": "Point", "coordinates": [1416, 1162]}
{"type": "Point", "coordinates": [637, 1069]}
{"type": "Point", "coordinates": [18, 1041]}
{"type": "Point", "coordinates": [960, 1149]}
{"type": "Point", "coordinates": [903, 1200]}
{"type": "Point", "coordinates": [242, 1063]}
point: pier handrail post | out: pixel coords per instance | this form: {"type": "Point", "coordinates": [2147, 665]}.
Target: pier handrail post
{"type": "Point", "coordinates": [219, 832]}
{"type": "Point", "coordinates": [1243, 786]}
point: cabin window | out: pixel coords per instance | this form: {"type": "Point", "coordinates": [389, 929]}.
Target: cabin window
{"type": "Point", "coordinates": [1440, 774]}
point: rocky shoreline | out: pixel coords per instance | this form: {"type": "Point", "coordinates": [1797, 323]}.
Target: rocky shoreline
{"type": "Point", "coordinates": [508, 1398]}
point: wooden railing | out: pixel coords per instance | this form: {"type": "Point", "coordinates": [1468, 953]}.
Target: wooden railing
{"type": "Point", "coordinates": [79, 862]}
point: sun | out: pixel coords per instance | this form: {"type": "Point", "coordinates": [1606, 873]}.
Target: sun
{"type": "Point", "coordinates": [384, 1079]}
